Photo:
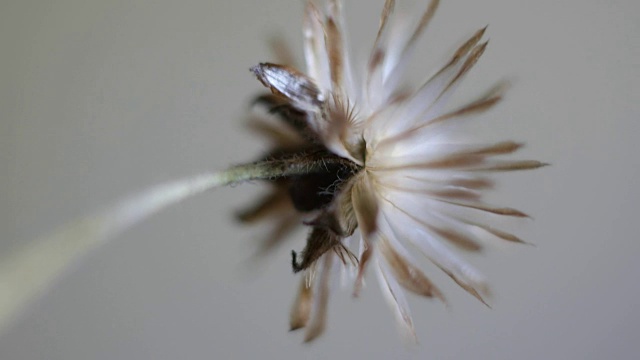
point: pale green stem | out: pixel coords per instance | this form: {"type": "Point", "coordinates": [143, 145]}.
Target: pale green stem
{"type": "Point", "coordinates": [26, 273]}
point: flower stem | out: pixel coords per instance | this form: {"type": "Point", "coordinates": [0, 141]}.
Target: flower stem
{"type": "Point", "coordinates": [26, 273]}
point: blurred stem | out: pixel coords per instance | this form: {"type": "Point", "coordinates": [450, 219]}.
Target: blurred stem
{"type": "Point", "coordinates": [26, 273]}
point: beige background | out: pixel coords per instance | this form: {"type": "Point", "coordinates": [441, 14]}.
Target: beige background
{"type": "Point", "coordinates": [99, 99]}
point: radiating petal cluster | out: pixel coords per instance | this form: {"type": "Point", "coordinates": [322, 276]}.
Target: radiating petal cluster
{"type": "Point", "coordinates": [412, 190]}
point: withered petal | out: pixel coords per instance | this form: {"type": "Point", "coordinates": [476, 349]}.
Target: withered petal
{"type": "Point", "coordinates": [314, 47]}
{"type": "Point", "coordinates": [292, 84]}
{"type": "Point", "coordinates": [460, 53]}
{"type": "Point", "coordinates": [501, 148]}
{"type": "Point", "coordinates": [466, 286]}
{"type": "Point", "coordinates": [301, 309]}
{"type": "Point", "coordinates": [488, 208]}
{"type": "Point", "coordinates": [497, 232]}
{"type": "Point", "coordinates": [407, 274]}
{"type": "Point", "coordinates": [447, 161]}
{"type": "Point", "coordinates": [476, 183]}
{"type": "Point", "coordinates": [471, 60]}
{"type": "Point", "coordinates": [377, 53]}
{"type": "Point", "coordinates": [320, 301]}
{"type": "Point", "coordinates": [335, 50]}
{"type": "Point", "coordinates": [424, 22]}
{"type": "Point", "coordinates": [511, 165]}
{"type": "Point", "coordinates": [464, 49]}
{"type": "Point", "coordinates": [362, 267]}
{"type": "Point", "coordinates": [485, 102]}
{"type": "Point", "coordinates": [475, 107]}
{"type": "Point", "coordinates": [457, 238]}
{"type": "Point", "coordinates": [384, 18]}
{"type": "Point", "coordinates": [396, 300]}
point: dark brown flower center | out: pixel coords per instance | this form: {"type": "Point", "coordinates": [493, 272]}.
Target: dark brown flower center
{"type": "Point", "coordinates": [316, 190]}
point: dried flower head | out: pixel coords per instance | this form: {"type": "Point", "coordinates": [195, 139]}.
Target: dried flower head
{"type": "Point", "coordinates": [397, 182]}
{"type": "Point", "coordinates": [367, 163]}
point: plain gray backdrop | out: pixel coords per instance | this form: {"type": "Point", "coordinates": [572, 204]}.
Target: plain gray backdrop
{"type": "Point", "coordinates": [99, 99]}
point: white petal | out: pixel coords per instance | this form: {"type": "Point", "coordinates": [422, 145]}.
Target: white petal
{"type": "Point", "coordinates": [348, 82]}
{"type": "Point", "coordinates": [432, 96]}
{"type": "Point", "coordinates": [396, 299]}
{"type": "Point", "coordinates": [398, 59]}
{"type": "Point", "coordinates": [321, 298]}
{"type": "Point", "coordinates": [463, 273]}
{"type": "Point", "coordinates": [315, 50]}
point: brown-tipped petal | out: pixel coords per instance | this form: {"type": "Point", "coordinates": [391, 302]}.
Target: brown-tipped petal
{"type": "Point", "coordinates": [457, 238]}
{"type": "Point", "coordinates": [314, 47]}
{"type": "Point", "coordinates": [290, 83]}
{"type": "Point", "coordinates": [468, 45]}
{"type": "Point", "coordinates": [471, 159]}
{"type": "Point", "coordinates": [395, 298]}
{"type": "Point", "coordinates": [466, 286]}
{"type": "Point", "coordinates": [488, 208]}
{"type": "Point", "coordinates": [501, 148]}
{"type": "Point", "coordinates": [433, 90]}
{"type": "Point", "coordinates": [500, 234]}
{"type": "Point", "coordinates": [362, 267]}
{"type": "Point", "coordinates": [377, 54]}
{"type": "Point", "coordinates": [446, 192]}
{"type": "Point", "coordinates": [484, 103]}
{"type": "Point", "coordinates": [497, 232]}
{"type": "Point", "coordinates": [511, 165]}
{"type": "Point", "coordinates": [468, 182]}
{"type": "Point", "coordinates": [469, 109]}
{"type": "Point", "coordinates": [384, 18]}
{"type": "Point", "coordinates": [318, 321]}
{"type": "Point", "coordinates": [336, 14]}
{"type": "Point", "coordinates": [424, 22]}
{"type": "Point", "coordinates": [335, 50]}
{"type": "Point", "coordinates": [476, 183]}
{"type": "Point", "coordinates": [407, 274]}
{"type": "Point", "coordinates": [457, 193]}
{"type": "Point", "coordinates": [460, 53]}
{"type": "Point", "coordinates": [471, 60]}
{"type": "Point", "coordinates": [301, 309]}
{"type": "Point", "coordinates": [452, 161]}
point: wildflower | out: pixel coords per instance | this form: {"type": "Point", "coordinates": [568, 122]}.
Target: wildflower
{"type": "Point", "coordinates": [370, 166]}
{"type": "Point", "coordinates": [409, 182]}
